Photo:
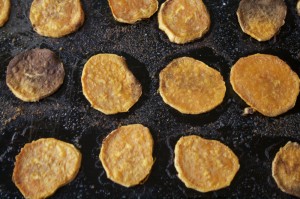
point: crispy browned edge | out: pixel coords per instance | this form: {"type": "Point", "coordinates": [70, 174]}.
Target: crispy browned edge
{"type": "Point", "coordinates": [171, 35]}
{"type": "Point", "coordinates": [275, 171]}
{"type": "Point", "coordinates": [131, 21]}
{"type": "Point", "coordinates": [72, 29]}
{"type": "Point", "coordinates": [18, 58]}
{"type": "Point", "coordinates": [103, 149]}
{"type": "Point", "coordinates": [16, 168]}
{"type": "Point", "coordinates": [265, 114]}
{"type": "Point", "coordinates": [136, 83]}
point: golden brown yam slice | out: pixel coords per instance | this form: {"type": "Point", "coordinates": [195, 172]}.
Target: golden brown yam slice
{"type": "Point", "coordinates": [298, 7]}
{"type": "Point", "coordinates": [4, 11]}
{"type": "Point", "coordinates": [56, 18]}
{"type": "Point", "coordinates": [204, 165]}
{"type": "Point", "coordinates": [126, 154]}
{"type": "Point", "coordinates": [266, 83]}
{"type": "Point", "coordinates": [190, 86]}
{"type": "Point", "coordinates": [109, 85]}
{"type": "Point", "coordinates": [44, 165]}
{"type": "Point", "coordinates": [261, 19]}
{"type": "Point", "coordinates": [131, 11]}
{"type": "Point", "coordinates": [34, 74]}
{"type": "Point", "coordinates": [286, 169]}
{"type": "Point", "coordinates": [183, 20]}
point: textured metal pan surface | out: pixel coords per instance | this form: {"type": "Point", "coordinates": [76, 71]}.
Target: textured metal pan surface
{"type": "Point", "coordinates": [67, 115]}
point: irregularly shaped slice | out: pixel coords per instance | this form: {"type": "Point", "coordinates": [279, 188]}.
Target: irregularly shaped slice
{"type": "Point", "coordinates": [286, 169]}
{"type": "Point", "coordinates": [183, 20]}
{"type": "Point", "coordinates": [56, 18]}
{"type": "Point", "coordinates": [298, 7]}
{"type": "Point", "coordinates": [266, 83]}
{"type": "Point", "coordinates": [190, 86]}
{"type": "Point", "coordinates": [204, 165]}
{"type": "Point", "coordinates": [4, 11]}
{"type": "Point", "coordinates": [44, 165]}
{"type": "Point", "coordinates": [126, 154]}
{"type": "Point", "coordinates": [34, 74]}
{"type": "Point", "coordinates": [261, 19]}
{"type": "Point", "coordinates": [109, 85]}
{"type": "Point", "coordinates": [133, 10]}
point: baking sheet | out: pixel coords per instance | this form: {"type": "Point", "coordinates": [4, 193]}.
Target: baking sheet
{"type": "Point", "coordinates": [67, 115]}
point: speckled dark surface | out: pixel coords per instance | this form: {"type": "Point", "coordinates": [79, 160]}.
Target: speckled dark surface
{"type": "Point", "coordinates": [67, 115]}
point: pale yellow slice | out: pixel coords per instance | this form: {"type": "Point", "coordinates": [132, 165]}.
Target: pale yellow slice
{"type": "Point", "coordinates": [204, 165]}
{"type": "Point", "coordinates": [126, 154]}
{"type": "Point", "coordinates": [131, 11]}
{"type": "Point", "coordinates": [183, 20]}
{"type": "Point", "coordinates": [190, 86]}
{"type": "Point", "coordinates": [44, 165]}
{"type": "Point", "coordinates": [109, 85]}
{"type": "Point", "coordinates": [56, 18]}
{"type": "Point", "coordinates": [266, 83]}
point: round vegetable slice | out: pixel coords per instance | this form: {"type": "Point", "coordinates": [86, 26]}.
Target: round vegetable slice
{"type": "Point", "coordinates": [44, 165]}
{"type": "Point", "coordinates": [266, 83]}
{"type": "Point", "coordinates": [132, 11]}
{"type": "Point", "coordinates": [261, 19]}
{"type": "Point", "coordinates": [286, 170]}
{"type": "Point", "coordinates": [56, 18]}
{"type": "Point", "coordinates": [183, 20]}
{"type": "Point", "coordinates": [126, 154]}
{"type": "Point", "coordinates": [109, 85]}
{"type": "Point", "coordinates": [190, 86]}
{"type": "Point", "coordinates": [204, 165]}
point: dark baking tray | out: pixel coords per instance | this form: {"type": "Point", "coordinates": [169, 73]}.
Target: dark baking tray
{"type": "Point", "coordinates": [67, 115]}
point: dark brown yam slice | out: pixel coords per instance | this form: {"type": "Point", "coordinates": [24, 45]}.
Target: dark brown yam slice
{"type": "Point", "coordinates": [34, 74]}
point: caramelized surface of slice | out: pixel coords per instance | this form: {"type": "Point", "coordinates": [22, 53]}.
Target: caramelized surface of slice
{"type": "Point", "coordinates": [34, 74]}
{"type": "Point", "coordinates": [56, 18]}
{"type": "Point", "coordinates": [44, 165]}
{"type": "Point", "coordinates": [183, 20]}
{"type": "Point", "coordinates": [132, 11]}
{"type": "Point", "coordinates": [4, 11]}
{"type": "Point", "coordinates": [261, 19]}
{"type": "Point", "coordinates": [204, 165]}
{"type": "Point", "coordinates": [286, 170]}
{"type": "Point", "coordinates": [266, 83]}
{"type": "Point", "coordinates": [126, 154]}
{"type": "Point", "coordinates": [190, 86]}
{"type": "Point", "coordinates": [109, 85]}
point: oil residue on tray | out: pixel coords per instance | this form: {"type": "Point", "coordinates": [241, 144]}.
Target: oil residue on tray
{"type": "Point", "coordinates": [67, 115]}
